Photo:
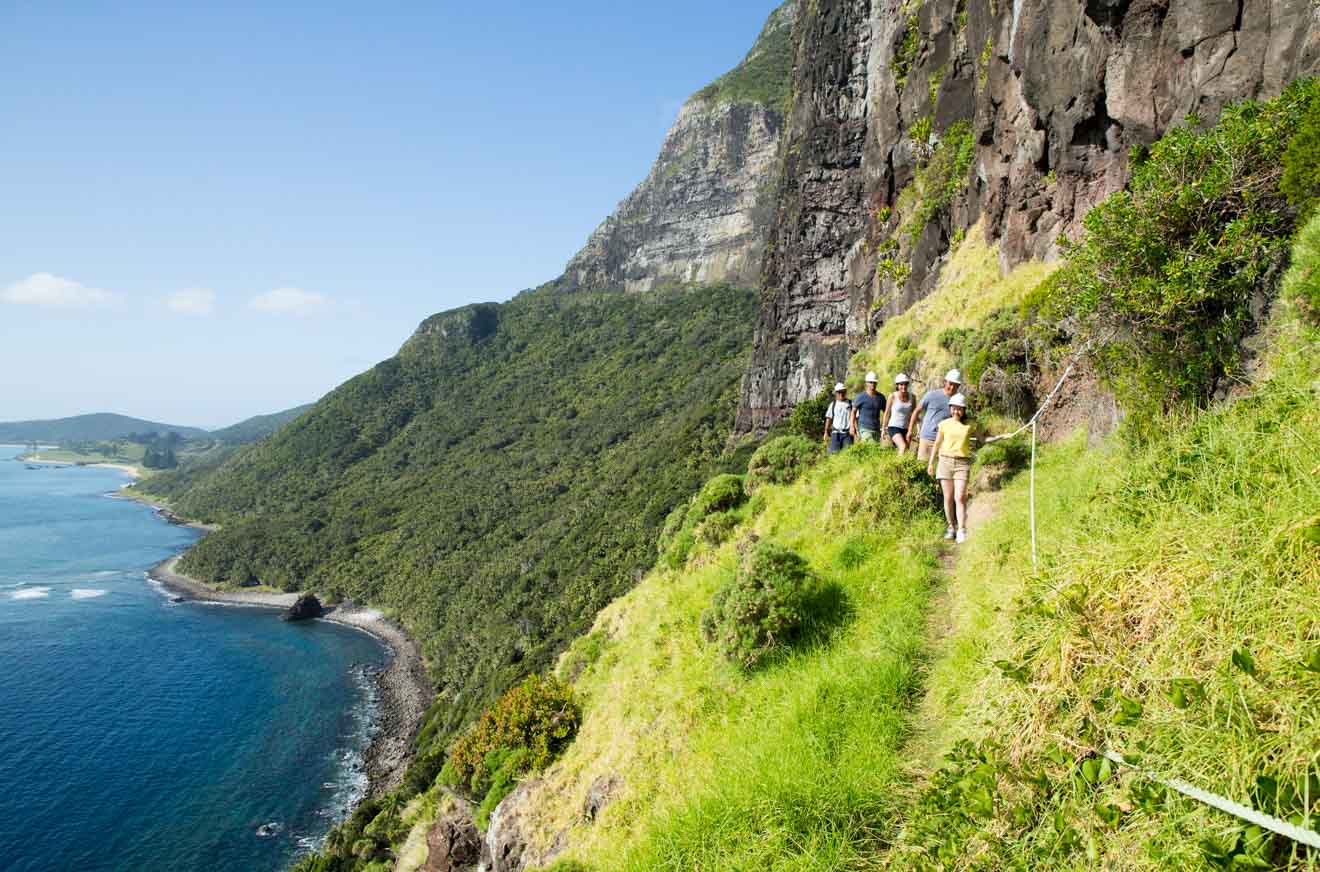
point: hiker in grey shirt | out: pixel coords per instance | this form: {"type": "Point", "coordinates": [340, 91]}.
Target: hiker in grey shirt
{"type": "Point", "coordinates": [931, 412]}
{"type": "Point", "coordinates": [839, 428]}
{"type": "Point", "coordinates": [897, 413]}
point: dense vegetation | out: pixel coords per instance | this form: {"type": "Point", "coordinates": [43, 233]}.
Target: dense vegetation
{"type": "Point", "coordinates": [495, 483]}
{"type": "Point", "coordinates": [763, 76]}
{"type": "Point", "coordinates": [257, 427]}
{"type": "Point", "coordinates": [1175, 271]}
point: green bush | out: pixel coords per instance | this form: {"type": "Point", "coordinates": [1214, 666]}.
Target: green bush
{"type": "Point", "coordinates": [1302, 283]}
{"type": "Point", "coordinates": [781, 460]}
{"type": "Point", "coordinates": [1301, 162]}
{"type": "Point", "coordinates": [716, 529]}
{"type": "Point", "coordinates": [689, 522]}
{"type": "Point", "coordinates": [808, 417]}
{"type": "Point", "coordinates": [902, 490]}
{"type": "Point", "coordinates": [721, 493]}
{"type": "Point", "coordinates": [761, 609]}
{"type": "Point", "coordinates": [505, 766]}
{"type": "Point", "coordinates": [537, 718]}
{"type": "Point", "coordinates": [1162, 291]}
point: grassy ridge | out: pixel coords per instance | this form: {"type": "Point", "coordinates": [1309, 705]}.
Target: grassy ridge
{"type": "Point", "coordinates": [1172, 618]}
{"type": "Point", "coordinates": [792, 766]}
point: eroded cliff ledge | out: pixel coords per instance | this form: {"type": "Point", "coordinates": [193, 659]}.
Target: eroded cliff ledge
{"type": "Point", "coordinates": [1052, 95]}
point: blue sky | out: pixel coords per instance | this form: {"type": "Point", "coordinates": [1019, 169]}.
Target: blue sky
{"type": "Point", "coordinates": [210, 213]}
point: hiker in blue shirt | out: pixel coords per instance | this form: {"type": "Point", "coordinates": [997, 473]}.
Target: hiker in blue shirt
{"type": "Point", "coordinates": [867, 409]}
{"type": "Point", "coordinates": [931, 412]}
{"type": "Point", "coordinates": [839, 428]}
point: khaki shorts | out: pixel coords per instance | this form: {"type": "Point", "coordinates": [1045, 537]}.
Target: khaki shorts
{"type": "Point", "coordinates": [953, 468]}
{"type": "Point", "coordinates": [866, 435]}
{"type": "Point", "coordinates": [925, 448]}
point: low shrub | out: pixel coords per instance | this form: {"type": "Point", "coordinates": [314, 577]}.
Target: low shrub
{"type": "Point", "coordinates": [537, 718]}
{"type": "Point", "coordinates": [721, 493]}
{"type": "Point", "coordinates": [706, 517]}
{"type": "Point", "coordinates": [761, 608]}
{"type": "Point", "coordinates": [808, 417]}
{"type": "Point", "coordinates": [505, 766]}
{"type": "Point", "coordinates": [902, 489]}
{"type": "Point", "coordinates": [782, 460]}
{"type": "Point", "coordinates": [1173, 270]}
{"type": "Point", "coordinates": [1302, 283]}
{"type": "Point", "coordinates": [1301, 162]}
{"type": "Point", "coordinates": [716, 529]}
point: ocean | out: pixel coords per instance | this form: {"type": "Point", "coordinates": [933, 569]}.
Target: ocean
{"type": "Point", "coordinates": [141, 734]}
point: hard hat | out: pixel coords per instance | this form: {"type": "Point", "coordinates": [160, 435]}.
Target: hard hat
{"type": "Point", "coordinates": [840, 386]}
{"type": "Point", "coordinates": [953, 376]}
{"type": "Point", "coordinates": [872, 377]}
{"type": "Point", "coordinates": [958, 400]}
{"type": "Point", "coordinates": [901, 379]}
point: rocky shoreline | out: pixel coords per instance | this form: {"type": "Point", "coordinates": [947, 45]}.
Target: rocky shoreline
{"type": "Point", "coordinates": [404, 688]}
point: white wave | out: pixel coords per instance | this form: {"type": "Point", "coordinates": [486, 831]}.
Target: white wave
{"type": "Point", "coordinates": [83, 593]}
{"type": "Point", "coordinates": [28, 593]}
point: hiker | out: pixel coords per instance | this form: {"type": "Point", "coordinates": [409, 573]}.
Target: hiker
{"type": "Point", "coordinates": [931, 412]}
{"type": "Point", "coordinates": [954, 466]}
{"type": "Point", "coordinates": [839, 428]}
{"type": "Point", "coordinates": [897, 413]}
{"type": "Point", "coordinates": [867, 409]}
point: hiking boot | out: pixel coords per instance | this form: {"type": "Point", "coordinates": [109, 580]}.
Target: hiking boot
{"type": "Point", "coordinates": [948, 535]}
{"type": "Point", "coordinates": [962, 536]}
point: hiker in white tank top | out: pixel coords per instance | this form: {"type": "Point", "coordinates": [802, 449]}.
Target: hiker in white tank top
{"type": "Point", "coordinates": [898, 411]}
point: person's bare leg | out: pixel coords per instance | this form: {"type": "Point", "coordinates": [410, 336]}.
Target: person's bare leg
{"type": "Point", "coordinates": [960, 497]}
{"type": "Point", "coordinates": [950, 510]}
{"type": "Point", "coordinates": [900, 444]}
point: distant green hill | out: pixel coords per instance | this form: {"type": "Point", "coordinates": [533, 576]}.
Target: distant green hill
{"type": "Point", "coordinates": [496, 482]}
{"type": "Point", "coordinates": [257, 427]}
{"type": "Point", "coordinates": [88, 428]}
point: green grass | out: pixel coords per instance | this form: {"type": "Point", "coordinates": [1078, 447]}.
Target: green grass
{"type": "Point", "coordinates": [1173, 617]}
{"type": "Point", "coordinates": [791, 766]}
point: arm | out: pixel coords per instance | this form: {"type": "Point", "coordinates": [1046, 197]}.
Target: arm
{"type": "Point", "coordinates": [915, 417]}
{"type": "Point", "coordinates": [884, 420]}
{"type": "Point", "coordinates": [935, 452]}
{"type": "Point", "coordinates": [829, 419]}
{"type": "Point", "coordinates": [852, 423]}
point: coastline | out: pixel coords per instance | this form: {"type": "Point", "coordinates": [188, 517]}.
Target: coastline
{"type": "Point", "coordinates": [405, 690]}
{"type": "Point", "coordinates": [131, 471]}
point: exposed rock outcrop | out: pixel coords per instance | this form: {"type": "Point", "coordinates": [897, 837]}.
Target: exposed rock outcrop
{"type": "Point", "coordinates": [702, 215]}
{"type": "Point", "coordinates": [305, 608]}
{"type": "Point", "coordinates": [454, 843]}
{"type": "Point", "coordinates": [1054, 92]}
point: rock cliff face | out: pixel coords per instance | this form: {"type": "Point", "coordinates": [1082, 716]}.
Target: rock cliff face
{"type": "Point", "coordinates": [703, 213]}
{"type": "Point", "coordinates": [1028, 107]}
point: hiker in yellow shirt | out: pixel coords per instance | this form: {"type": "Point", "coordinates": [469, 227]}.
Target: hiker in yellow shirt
{"type": "Point", "coordinates": [954, 457]}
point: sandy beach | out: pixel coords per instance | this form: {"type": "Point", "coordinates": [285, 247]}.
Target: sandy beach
{"type": "Point", "coordinates": [132, 471]}
{"type": "Point", "coordinates": [405, 689]}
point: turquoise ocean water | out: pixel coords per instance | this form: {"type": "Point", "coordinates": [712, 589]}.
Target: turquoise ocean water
{"type": "Point", "coordinates": [140, 734]}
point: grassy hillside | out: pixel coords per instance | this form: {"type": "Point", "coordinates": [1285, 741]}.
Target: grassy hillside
{"type": "Point", "coordinates": [764, 75]}
{"type": "Point", "coordinates": [100, 427]}
{"type": "Point", "coordinates": [1171, 617]}
{"type": "Point", "coordinates": [492, 485]}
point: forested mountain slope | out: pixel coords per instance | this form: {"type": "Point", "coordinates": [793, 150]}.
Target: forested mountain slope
{"type": "Point", "coordinates": [258, 426]}
{"type": "Point", "coordinates": [496, 482]}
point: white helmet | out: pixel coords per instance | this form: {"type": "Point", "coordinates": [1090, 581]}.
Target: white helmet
{"type": "Point", "coordinates": [958, 400]}
{"type": "Point", "coordinates": [872, 377]}
{"type": "Point", "coordinates": [953, 376]}
{"type": "Point", "coordinates": [840, 386]}
{"type": "Point", "coordinates": [901, 379]}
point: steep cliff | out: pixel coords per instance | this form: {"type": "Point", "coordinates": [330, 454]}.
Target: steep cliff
{"type": "Point", "coordinates": [911, 121]}
{"type": "Point", "coordinates": [703, 212]}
